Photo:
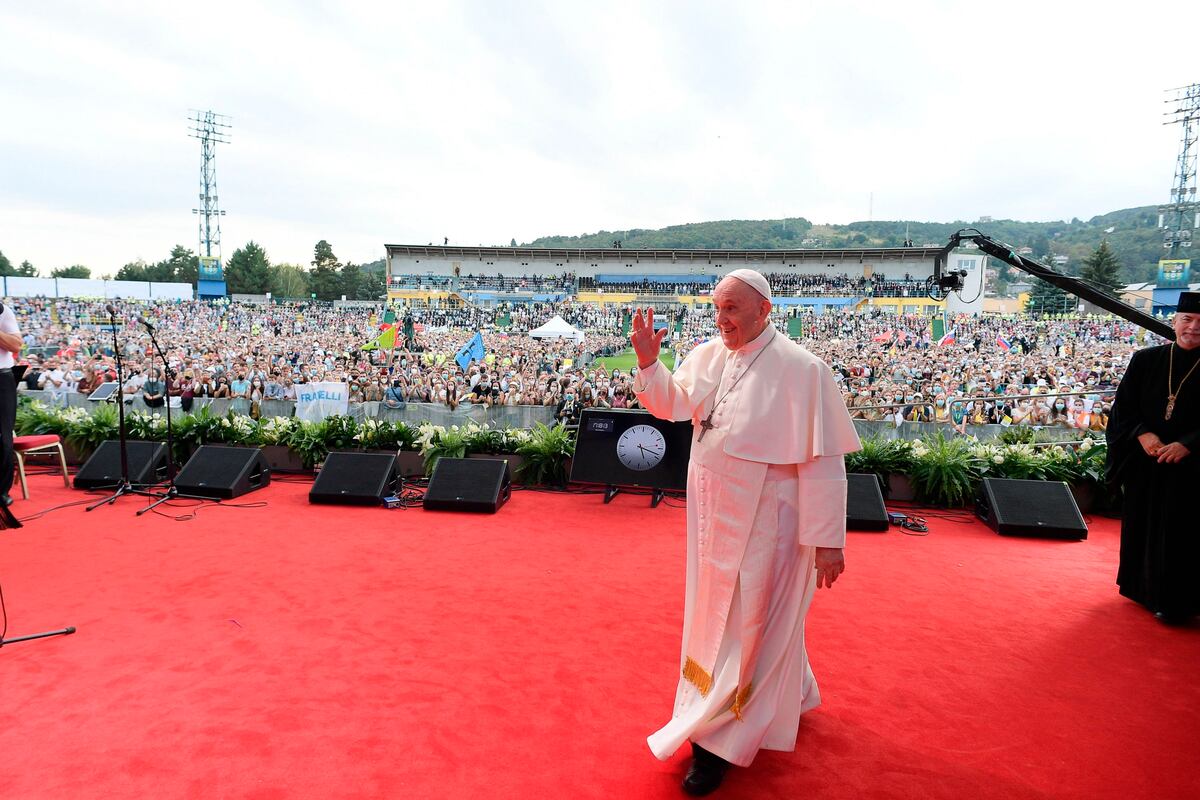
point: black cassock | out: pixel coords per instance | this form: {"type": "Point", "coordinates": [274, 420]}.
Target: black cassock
{"type": "Point", "coordinates": [1160, 529]}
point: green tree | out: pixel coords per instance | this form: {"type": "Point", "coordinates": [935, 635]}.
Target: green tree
{"type": "Point", "coordinates": [1046, 298]}
{"type": "Point", "coordinates": [351, 280]}
{"type": "Point", "coordinates": [248, 270]}
{"type": "Point", "coordinates": [325, 280]}
{"type": "Point", "coordinates": [289, 280]}
{"type": "Point", "coordinates": [1102, 269]}
{"type": "Point", "coordinates": [26, 269]}
{"type": "Point", "coordinates": [75, 271]}
{"type": "Point", "coordinates": [134, 271]}
{"type": "Point", "coordinates": [182, 265]}
{"type": "Point", "coordinates": [373, 287]}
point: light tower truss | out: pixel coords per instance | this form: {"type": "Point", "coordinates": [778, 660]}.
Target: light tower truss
{"type": "Point", "coordinates": [1180, 218]}
{"type": "Point", "coordinates": [210, 128]}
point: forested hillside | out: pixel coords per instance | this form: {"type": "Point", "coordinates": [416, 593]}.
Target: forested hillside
{"type": "Point", "coordinates": [1134, 238]}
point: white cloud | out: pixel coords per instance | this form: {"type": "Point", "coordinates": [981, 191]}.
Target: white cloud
{"type": "Point", "coordinates": [365, 123]}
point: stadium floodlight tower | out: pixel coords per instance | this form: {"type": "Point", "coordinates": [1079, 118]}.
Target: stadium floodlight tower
{"type": "Point", "coordinates": [210, 128]}
{"type": "Point", "coordinates": [1180, 218]}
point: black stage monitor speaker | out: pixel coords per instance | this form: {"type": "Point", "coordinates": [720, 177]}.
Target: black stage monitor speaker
{"type": "Point", "coordinates": [223, 472]}
{"type": "Point", "coordinates": [360, 479]}
{"type": "Point", "coordinates": [864, 504]}
{"type": "Point", "coordinates": [147, 465]}
{"type": "Point", "coordinates": [468, 484]}
{"type": "Point", "coordinates": [1030, 508]}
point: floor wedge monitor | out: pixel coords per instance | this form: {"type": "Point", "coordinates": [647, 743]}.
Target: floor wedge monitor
{"type": "Point", "coordinates": [468, 484]}
{"type": "Point", "coordinates": [864, 504]}
{"type": "Point", "coordinates": [223, 472]}
{"type": "Point", "coordinates": [147, 465]}
{"type": "Point", "coordinates": [1030, 508]}
{"type": "Point", "coordinates": [357, 479]}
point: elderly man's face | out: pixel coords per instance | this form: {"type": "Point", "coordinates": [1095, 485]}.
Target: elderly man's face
{"type": "Point", "coordinates": [1187, 330]}
{"type": "Point", "coordinates": [741, 312]}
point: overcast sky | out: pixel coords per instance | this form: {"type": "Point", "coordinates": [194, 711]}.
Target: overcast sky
{"type": "Point", "coordinates": [373, 123]}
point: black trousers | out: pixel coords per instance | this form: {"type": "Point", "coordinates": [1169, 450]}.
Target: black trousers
{"type": "Point", "coordinates": [8, 418]}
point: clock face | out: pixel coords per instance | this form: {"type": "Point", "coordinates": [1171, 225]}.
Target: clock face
{"type": "Point", "coordinates": [641, 447]}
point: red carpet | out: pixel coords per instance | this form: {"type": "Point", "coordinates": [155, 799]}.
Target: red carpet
{"type": "Point", "coordinates": [297, 651]}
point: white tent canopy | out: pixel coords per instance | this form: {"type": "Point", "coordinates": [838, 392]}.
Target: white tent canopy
{"type": "Point", "coordinates": [557, 328]}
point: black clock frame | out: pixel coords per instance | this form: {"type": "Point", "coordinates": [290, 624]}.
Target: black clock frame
{"type": "Point", "coordinates": [596, 461]}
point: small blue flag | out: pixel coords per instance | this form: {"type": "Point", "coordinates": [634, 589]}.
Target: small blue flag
{"type": "Point", "coordinates": [471, 351]}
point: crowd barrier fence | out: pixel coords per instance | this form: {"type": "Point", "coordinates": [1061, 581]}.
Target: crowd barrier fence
{"type": "Point", "coordinates": [511, 416]}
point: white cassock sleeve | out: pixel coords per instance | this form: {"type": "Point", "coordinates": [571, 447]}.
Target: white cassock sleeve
{"type": "Point", "coordinates": [822, 502]}
{"type": "Point", "coordinates": [659, 394]}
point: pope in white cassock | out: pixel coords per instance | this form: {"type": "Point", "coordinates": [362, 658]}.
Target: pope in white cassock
{"type": "Point", "coordinates": [766, 524]}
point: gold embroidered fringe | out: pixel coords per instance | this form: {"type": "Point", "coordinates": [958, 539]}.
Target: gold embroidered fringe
{"type": "Point", "coordinates": [696, 675]}
{"type": "Point", "coordinates": [740, 699]}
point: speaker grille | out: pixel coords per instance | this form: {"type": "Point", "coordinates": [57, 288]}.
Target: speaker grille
{"type": "Point", "coordinates": [223, 472]}
{"type": "Point", "coordinates": [466, 484]}
{"type": "Point", "coordinates": [1030, 508]}
{"type": "Point", "coordinates": [355, 479]}
{"type": "Point", "coordinates": [147, 465]}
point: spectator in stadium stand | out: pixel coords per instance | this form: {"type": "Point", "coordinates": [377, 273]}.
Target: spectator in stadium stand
{"type": "Point", "coordinates": [92, 378]}
{"type": "Point", "coordinates": [184, 389]}
{"type": "Point", "coordinates": [394, 397]}
{"type": "Point", "coordinates": [204, 387]}
{"type": "Point", "coordinates": [567, 410]}
{"type": "Point", "coordinates": [54, 381]}
{"type": "Point", "coordinates": [222, 389]}
{"type": "Point", "coordinates": [154, 391]}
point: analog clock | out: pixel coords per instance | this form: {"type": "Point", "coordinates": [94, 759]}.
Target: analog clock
{"type": "Point", "coordinates": [641, 447]}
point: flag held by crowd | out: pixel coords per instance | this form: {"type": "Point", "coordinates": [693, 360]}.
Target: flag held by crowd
{"type": "Point", "coordinates": [471, 351]}
{"type": "Point", "coordinates": [1002, 343]}
{"type": "Point", "coordinates": [948, 338]}
{"type": "Point", "coordinates": [386, 340]}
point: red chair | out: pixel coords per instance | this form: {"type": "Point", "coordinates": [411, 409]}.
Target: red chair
{"type": "Point", "coordinates": [34, 445]}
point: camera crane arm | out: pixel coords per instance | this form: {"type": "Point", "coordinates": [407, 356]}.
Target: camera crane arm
{"type": "Point", "coordinates": [953, 281]}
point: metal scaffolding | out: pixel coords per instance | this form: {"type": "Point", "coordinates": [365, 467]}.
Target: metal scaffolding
{"type": "Point", "coordinates": [210, 128]}
{"type": "Point", "coordinates": [1180, 218]}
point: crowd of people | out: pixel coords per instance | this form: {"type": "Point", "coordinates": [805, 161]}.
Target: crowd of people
{"type": "Point", "coordinates": [1008, 371]}
{"type": "Point", "coordinates": [783, 284]}
{"type": "Point", "coordinates": [996, 370]}
{"type": "Point", "coordinates": [647, 286]}
{"type": "Point", "coordinates": [549, 284]}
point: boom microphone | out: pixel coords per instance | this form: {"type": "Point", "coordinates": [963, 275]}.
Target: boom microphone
{"type": "Point", "coordinates": [110, 309]}
{"type": "Point", "coordinates": [149, 325]}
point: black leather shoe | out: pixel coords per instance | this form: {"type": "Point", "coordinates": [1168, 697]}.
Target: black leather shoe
{"type": "Point", "coordinates": [6, 500]}
{"type": "Point", "coordinates": [706, 773]}
{"type": "Point", "coordinates": [1172, 618]}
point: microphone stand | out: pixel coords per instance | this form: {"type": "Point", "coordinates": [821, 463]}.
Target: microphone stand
{"type": "Point", "coordinates": [124, 487]}
{"type": "Point", "coordinates": [172, 491]}
{"type": "Point", "coordinates": [9, 520]}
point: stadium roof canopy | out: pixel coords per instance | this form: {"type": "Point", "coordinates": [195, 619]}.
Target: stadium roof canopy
{"type": "Point", "coordinates": [873, 254]}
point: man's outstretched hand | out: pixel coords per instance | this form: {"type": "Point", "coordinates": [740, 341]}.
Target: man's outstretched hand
{"type": "Point", "coordinates": [830, 562]}
{"type": "Point", "coordinates": [646, 343]}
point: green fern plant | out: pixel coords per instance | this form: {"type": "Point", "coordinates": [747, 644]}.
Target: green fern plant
{"type": "Point", "coordinates": [881, 457]}
{"type": "Point", "coordinates": [546, 453]}
{"type": "Point", "coordinates": [944, 472]}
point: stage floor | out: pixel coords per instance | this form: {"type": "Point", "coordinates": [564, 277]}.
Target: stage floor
{"type": "Point", "coordinates": [268, 648]}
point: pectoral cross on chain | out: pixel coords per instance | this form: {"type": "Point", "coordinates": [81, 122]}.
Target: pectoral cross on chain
{"type": "Point", "coordinates": [707, 425]}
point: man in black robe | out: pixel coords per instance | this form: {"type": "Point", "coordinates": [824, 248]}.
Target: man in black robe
{"type": "Point", "coordinates": [1154, 453]}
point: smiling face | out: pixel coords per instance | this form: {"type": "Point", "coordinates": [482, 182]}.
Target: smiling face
{"type": "Point", "coordinates": [1187, 330]}
{"type": "Point", "coordinates": [741, 312]}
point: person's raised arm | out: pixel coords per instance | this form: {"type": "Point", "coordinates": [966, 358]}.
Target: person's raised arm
{"type": "Point", "coordinates": [646, 342]}
{"type": "Point", "coordinates": [656, 389]}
